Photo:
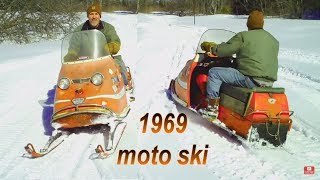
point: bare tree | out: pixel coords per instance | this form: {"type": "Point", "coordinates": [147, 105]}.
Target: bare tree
{"type": "Point", "coordinates": [138, 5]}
{"type": "Point", "coordinates": [33, 20]}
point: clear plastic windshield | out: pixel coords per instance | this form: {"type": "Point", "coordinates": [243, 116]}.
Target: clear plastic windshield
{"type": "Point", "coordinates": [214, 35]}
{"type": "Point", "coordinates": [83, 45]}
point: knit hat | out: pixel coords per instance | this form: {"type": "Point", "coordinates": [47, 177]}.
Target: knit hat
{"type": "Point", "coordinates": [255, 20]}
{"type": "Point", "coordinates": [94, 8]}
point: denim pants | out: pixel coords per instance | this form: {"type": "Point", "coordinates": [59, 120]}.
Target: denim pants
{"type": "Point", "coordinates": [218, 75]}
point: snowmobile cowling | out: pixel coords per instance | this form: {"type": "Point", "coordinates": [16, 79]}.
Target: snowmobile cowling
{"type": "Point", "coordinates": [108, 99]}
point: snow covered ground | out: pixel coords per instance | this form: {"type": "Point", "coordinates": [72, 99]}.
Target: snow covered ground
{"type": "Point", "coordinates": [156, 48]}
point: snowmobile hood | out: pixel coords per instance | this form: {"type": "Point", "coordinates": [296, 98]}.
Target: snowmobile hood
{"type": "Point", "coordinates": [86, 69]}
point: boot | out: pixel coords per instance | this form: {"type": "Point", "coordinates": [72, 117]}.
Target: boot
{"type": "Point", "coordinates": [211, 111]}
{"type": "Point", "coordinates": [214, 102]}
{"type": "Point", "coordinates": [213, 105]}
{"type": "Point", "coordinates": [129, 86]}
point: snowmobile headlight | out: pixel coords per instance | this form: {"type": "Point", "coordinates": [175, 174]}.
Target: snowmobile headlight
{"type": "Point", "coordinates": [97, 79]}
{"type": "Point", "coordinates": [64, 83]}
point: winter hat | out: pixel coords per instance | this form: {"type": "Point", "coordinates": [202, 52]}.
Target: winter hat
{"type": "Point", "coordinates": [255, 20]}
{"type": "Point", "coordinates": [94, 8]}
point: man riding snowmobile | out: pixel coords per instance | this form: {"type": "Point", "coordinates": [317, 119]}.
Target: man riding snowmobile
{"type": "Point", "coordinates": [249, 107]}
{"type": "Point", "coordinates": [113, 41]}
{"type": "Point", "coordinates": [256, 56]}
{"type": "Point", "coordinates": [91, 93]}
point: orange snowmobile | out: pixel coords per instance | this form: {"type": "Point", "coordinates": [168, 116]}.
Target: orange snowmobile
{"type": "Point", "coordinates": [90, 92]}
{"type": "Point", "coordinates": [257, 115]}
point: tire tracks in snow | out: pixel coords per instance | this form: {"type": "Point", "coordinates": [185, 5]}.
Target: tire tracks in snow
{"type": "Point", "coordinates": [298, 74]}
{"type": "Point", "coordinates": [299, 55]}
{"type": "Point", "coordinates": [12, 146]}
{"type": "Point", "coordinates": [303, 96]}
{"type": "Point", "coordinates": [21, 112]}
{"type": "Point", "coordinates": [303, 79]}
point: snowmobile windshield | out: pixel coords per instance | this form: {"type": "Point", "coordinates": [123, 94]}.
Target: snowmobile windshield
{"type": "Point", "coordinates": [214, 35]}
{"type": "Point", "coordinates": [84, 45]}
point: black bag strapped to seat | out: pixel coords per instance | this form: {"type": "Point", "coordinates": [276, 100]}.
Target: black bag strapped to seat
{"type": "Point", "coordinates": [237, 98]}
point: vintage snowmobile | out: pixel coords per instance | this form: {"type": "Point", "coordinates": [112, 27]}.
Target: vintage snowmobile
{"type": "Point", "coordinates": [90, 94]}
{"type": "Point", "coordinates": [257, 115]}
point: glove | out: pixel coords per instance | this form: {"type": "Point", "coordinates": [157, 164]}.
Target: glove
{"type": "Point", "coordinates": [112, 47]}
{"type": "Point", "coordinates": [206, 46]}
{"type": "Point", "coordinates": [70, 56]}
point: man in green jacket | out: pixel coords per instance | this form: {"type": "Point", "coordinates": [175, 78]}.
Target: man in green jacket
{"type": "Point", "coordinates": [94, 22]}
{"type": "Point", "coordinates": [256, 56]}
{"type": "Point", "coordinates": [113, 41]}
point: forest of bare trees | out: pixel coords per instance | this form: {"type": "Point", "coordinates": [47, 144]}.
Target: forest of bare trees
{"type": "Point", "coordinates": [283, 8]}
{"type": "Point", "coordinates": [25, 21]}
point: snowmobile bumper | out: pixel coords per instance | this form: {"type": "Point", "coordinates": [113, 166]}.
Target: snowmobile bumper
{"type": "Point", "coordinates": [86, 117]}
{"type": "Point", "coordinates": [259, 113]}
{"type": "Point", "coordinates": [274, 133]}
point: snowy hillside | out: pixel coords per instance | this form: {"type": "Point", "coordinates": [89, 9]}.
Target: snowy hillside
{"type": "Point", "coordinates": [157, 48]}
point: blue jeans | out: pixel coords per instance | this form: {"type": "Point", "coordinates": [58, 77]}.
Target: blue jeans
{"type": "Point", "coordinates": [218, 75]}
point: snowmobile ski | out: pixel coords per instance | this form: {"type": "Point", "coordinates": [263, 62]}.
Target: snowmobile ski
{"type": "Point", "coordinates": [111, 140]}
{"type": "Point", "coordinates": [53, 142]}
